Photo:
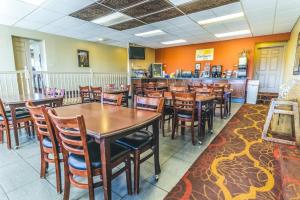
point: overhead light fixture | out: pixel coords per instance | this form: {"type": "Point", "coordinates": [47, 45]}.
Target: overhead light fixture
{"type": "Point", "coordinates": [222, 18]}
{"type": "Point", "coordinates": [150, 33]}
{"type": "Point", "coordinates": [34, 2]}
{"type": "Point", "coordinates": [111, 19]}
{"type": "Point", "coordinates": [100, 39]}
{"type": "Point", "coordinates": [234, 33]}
{"type": "Point", "coordinates": [174, 41]}
{"type": "Point", "coordinates": [180, 2]}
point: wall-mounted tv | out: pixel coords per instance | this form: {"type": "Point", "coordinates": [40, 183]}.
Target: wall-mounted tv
{"type": "Point", "coordinates": [137, 53]}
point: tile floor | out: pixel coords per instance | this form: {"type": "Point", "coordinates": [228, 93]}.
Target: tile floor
{"type": "Point", "coordinates": [20, 179]}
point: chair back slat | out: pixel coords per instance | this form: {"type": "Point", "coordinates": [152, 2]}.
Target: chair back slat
{"type": "Point", "coordinates": [154, 93]}
{"type": "Point", "coordinates": [149, 103]}
{"type": "Point", "coordinates": [218, 91]}
{"type": "Point", "coordinates": [184, 101]}
{"type": "Point", "coordinates": [112, 99]}
{"type": "Point", "coordinates": [178, 89]}
{"type": "Point", "coordinates": [97, 92]}
{"type": "Point", "coordinates": [203, 91]}
{"type": "Point", "coordinates": [42, 123]}
{"type": "Point", "coordinates": [72, 134]}
{"type": "Point", "coordinates": [84, 91]}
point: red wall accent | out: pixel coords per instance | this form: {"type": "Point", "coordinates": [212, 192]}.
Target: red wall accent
{"type": "Point", "coordinates": [226, 53]}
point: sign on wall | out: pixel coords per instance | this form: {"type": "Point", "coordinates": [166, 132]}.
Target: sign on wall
{"type": "Point", "coordinates": [204, 54]}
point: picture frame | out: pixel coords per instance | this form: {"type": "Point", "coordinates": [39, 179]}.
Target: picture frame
{"type": "Point", "coordinates": [296, 69]}
{"type": "Point", "coordinates": [83, 58]}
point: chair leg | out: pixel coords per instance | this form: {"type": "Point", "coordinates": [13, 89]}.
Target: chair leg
{"type": "Point", "coordinates": [182, 127]}
{"type": "Point", "coordinates": [174, 127]}
{"type": "Point", "coordinates": [67, 185]}
{"type": "Point", "coordinates": [58, 176]}
{"type": "Point", "coordinates": [136, 172]}
{"type": "Point", "coordinates": [91, 188]}
{"type": "Point", "coordinates": [16, 134]}
{"type": "Point", "coordinates": [1, 136]}
{"type": "Point", "coordinates": [221, 110]}
{"type": "Point", "coordinates": [43, 165]}
{"type": "Point", "coordinates": [163, 126]}
{"type": "Point", "coordinates": [8, 139]}
{"type": "Point", "coordinates": [193, 133]}
{"type": "Point", "coordinates": [128, 176]}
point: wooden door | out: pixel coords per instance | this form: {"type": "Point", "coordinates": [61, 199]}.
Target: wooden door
{"type": "Point", "coordinates": [269, 65]}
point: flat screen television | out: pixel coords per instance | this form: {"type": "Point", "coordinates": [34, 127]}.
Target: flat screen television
{"type": "Point", "coordinates": [137, 53]}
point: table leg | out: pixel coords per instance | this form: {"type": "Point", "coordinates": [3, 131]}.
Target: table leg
{"type": "Point", "coordinates": [230, 104]}
{"type": "Point", "coordinates": [14, 123]}
{"type": "Point", "coordinates": [155, 126]}
{"type": "Point", "coordinates": [211, 116]}
{"type": "Point", "coordinates": [200, 133]}
{"type": "Point", "coordinates": [106, 167]}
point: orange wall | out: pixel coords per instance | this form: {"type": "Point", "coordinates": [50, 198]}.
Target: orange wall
{"type": "Point", "coordinates": [226, 53]}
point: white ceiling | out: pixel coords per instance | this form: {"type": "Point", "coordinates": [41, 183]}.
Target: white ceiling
{"type": "Point", "coordinates": [262, 17]}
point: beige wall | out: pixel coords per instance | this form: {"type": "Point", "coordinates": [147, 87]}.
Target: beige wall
{"type": "Point", "coordinates": [61, 52]}
{"type": "Point", "coordinates": [291, 52]}
{"type": "Point", "coordinates": [143, 64]}
{"type": "Point", "coordinates": [291, 79]}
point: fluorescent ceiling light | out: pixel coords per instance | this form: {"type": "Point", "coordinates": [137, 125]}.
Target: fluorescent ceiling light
{"type": "Point", "coordinates": [112, 19]}
{"type": "Point", "coordinates": [100, 39]}
{"type": "Point", "coordinates": [174, 41]}
{"type": "Point", "coordinates": [234, 33]}
{"type": "Point", "coordinates": [222, 18]}
{"type": "Point", "coordinates": [150, 33]}
{"type": "Point", "coordinates": [34, 2]}
{"type": "Point", "coordinates": [180, 2]}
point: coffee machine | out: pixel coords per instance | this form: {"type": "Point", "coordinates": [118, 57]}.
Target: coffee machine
{"type": "Point", "coordinates": [216, 71]}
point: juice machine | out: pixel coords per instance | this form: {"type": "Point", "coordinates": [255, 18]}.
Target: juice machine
{"type": "Point", "coordinates": [216, 71]}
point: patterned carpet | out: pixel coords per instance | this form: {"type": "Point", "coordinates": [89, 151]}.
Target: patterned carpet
{"type": "Point", "coordinates": [239, 165]}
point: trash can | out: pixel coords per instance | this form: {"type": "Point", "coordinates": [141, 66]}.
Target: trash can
{"type": "Point", "coordinates": [252, 91]}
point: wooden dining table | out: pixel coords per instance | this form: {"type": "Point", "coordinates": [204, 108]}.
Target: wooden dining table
{"type": "Point", "coordinates": [14, 102]}
{"type": "Point", "coordinates": [107, 123]}
{"type": "Point", "coordinates": [202, 100]}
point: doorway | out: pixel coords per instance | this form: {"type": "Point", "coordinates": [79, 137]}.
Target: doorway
{"type": "Point", "coordinates": [29, 55]}
{"type": "Point", "coordinates": [269, 65]}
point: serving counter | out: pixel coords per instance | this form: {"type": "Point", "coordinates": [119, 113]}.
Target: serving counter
{"type": "Point", "coordinates": [238, 85]}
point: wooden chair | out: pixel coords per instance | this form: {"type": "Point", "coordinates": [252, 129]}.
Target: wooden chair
{"type": "Point", "coordinates": [218, 91]}
{"type": "Point", "coordinates": [97, 92]}
{"type": "Point", "coordinates": [184, 111]}
{"type": "Point", "coordinates": [85, 94]}
{"type": "Point", "coordinates": [149, 86]}
{"type": "Point", "coordinates": [141, 141]}
{"type": "Point", "coordinates": [49, 144]}
{"type": "Point", "coordinates": [178, 89]}
{"type": "Point", "coordinates": [125, 98]}
{"type": "Point", "coordinates": [23, 120]}
{"type": "Point", "coordinates": [162, 86]}
{"type": "Point", "coordinates": [82, 157]}
{"type": "Point", "coordinates": [112, 99]}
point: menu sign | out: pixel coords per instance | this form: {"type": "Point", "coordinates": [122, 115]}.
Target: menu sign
{"type": "Point", "coordinates": [204, 54]}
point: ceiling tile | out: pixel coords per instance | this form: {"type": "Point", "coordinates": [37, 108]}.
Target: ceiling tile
{"type": "Point", "coordinates": [66, 6]}
{"type": "Point", "coordinates": [119, 4]}
{"type": "Point", "coordinates": [164, 15]}
{"type": "Point", "coordinates": [13, 10]}
{"type": "Point", "coordinates": [147, 8]}
{"type": "Point", "coordinates": [127, 25]}
{"type": "Point", "coordinates": [67, 22]}
{"type": "Point", "coordinates": [200, 5]}
{"type": "Point", "coordinates": [216, 28]}
{"type": "Point", "coordinates": [228, 9]}
{"type": "Point", "coordinates": [202, 15]}
{"type": "Point", "coordinates": [29, 24]}
{"type": "Point", "coordinates": [43, 16]}
{"type": "Point", "coordinates": [91, 12]}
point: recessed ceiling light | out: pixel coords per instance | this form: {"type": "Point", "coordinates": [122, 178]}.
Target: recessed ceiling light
{"type": "Point", "coordinates": [34, 2]}
{"type": "Point", "coordinates": [150, 33]}
{"type": "Point", "coordinates": [234, 33]}
{"type": "Point", "coordinates": [174, 41]}
{"type": "Point", "coordinates": [222, 18]}
{"type": "Point", "coordinates": [112, 19]}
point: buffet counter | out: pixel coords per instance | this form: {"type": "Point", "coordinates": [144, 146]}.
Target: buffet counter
{"type": "Point", "coordinates": [238, 85]}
